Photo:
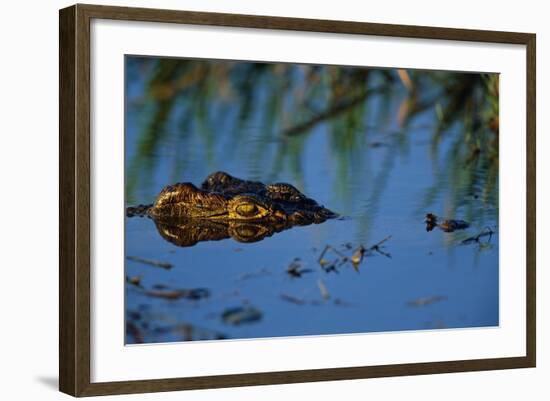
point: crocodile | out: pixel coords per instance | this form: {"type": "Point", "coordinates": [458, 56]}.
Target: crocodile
{"type": "Point", "coordinates": [225, 206]}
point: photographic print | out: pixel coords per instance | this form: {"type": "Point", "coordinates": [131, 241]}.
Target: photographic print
{"type": "Point", "coordinates": [276, 199]}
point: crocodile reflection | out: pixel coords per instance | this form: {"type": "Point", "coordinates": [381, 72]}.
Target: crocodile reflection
{"type": "Point", "coordinates": [187, 233]}
{"type": "Point", "coordinates": [226, 206]}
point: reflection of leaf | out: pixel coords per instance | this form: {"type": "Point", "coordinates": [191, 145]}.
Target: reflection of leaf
{"type": "Point", "coordinates": [405, 79]}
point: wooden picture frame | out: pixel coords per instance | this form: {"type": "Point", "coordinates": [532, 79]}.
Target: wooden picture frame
{"type": "Point", "coordinates": [74, 204]}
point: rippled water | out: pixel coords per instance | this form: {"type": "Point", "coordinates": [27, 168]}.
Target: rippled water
{"type": "Point", "coordinates": [383, 181]}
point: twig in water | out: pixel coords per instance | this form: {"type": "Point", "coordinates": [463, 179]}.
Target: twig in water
{"type": "Point", "coordinates": [484, 233]}
{"type": "Point", "coordinates": [376, 247]}
{"type": "Point", "coordinates": [292, 299]}
{"type": "Point", "coordinates": [175, 294]}
{"type": "Point", "coordinates": [322, 261]}
{"type": "Point", "coordinates": [295, 269]}
{"type": "Point", "coordinates": [331, 267]}
{"type": "Point", "coordinates": [426, 300]}
{"type": "Point", "coordinates": [323, 289]}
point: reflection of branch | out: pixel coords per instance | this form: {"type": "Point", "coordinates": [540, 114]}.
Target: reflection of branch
{"type": "Point", "coordinates": [486, 232]}
{"type": "Point", "coordinates": [333, 111]}
{"type": "Point", "coordinates": [327, 247]}
{"type": "Point", "coordinates": [376, 247]}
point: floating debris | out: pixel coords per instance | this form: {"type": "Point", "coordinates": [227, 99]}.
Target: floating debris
{"type": "Point", "coordinates": [323, 262]}
{"type": "Point", "coordinates": [326, 249]}
{"type": "Point", "coordinates": [357, 257]}
{"type": "Point", "coordinates": [197, 293]}
{"type": "Point", "coordinates": [259, 273]}
{"type": "Point", "coordinates": [175, 294]}
{"type": "Point", "coordinates": [424, 301]}
{"type": "Point", "coordinates": [160, 286]}
{"type": "Point", "coordinates": [151, 262]}
{"type": "Point", "coordinates": [134, 331]}
{"type": "Point", "coordinates": [447, 225]}
{"type": "Point", "coordinates": [324, 293]}
{"type": "Point", "coordinates": [377, 247]}
{"type": "Point", "coordinates": [323, 289]}
{"type": "Point", "coordinates": [134, 280]}
{"type": "Point", "coordinates": [241, 314]}
{"type": "Point", "coordinates": [340, 302]}
{"type": "Point", "coordinates": [143, 327]}
{"type": "Point", "coordinates": [295, 268]}
{"type": "Point", "coordinates": [328, 266]}
{"type": "Point", "coordinates": [486, 232]}
{"type": "Point", "coordinates": [431, 222]}
{"type": "Point", "coordinates": [292, 299]}
{"type": "Point", "coordinates": [331, 267]}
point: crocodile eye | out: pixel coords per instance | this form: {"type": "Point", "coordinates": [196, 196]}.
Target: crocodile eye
{"type": "Point", "coordinates": [247, 209]}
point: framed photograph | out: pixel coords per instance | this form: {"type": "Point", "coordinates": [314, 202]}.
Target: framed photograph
{"type": "Point", "coordinates": [250, 200]}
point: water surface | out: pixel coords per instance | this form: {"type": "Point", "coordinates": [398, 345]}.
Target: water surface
{"type": "Point", "coordinates": [380, 147]}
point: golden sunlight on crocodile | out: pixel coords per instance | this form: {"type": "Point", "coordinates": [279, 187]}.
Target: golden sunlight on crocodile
{"type": "Point", "coordinates": [226, 206]}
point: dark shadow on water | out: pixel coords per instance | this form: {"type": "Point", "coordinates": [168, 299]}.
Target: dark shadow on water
{"type": "Point", "coordinates": [50, 382]}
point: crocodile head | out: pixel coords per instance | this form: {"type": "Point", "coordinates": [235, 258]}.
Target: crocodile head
{"type": "Point", "coordinates": [185, 201]}
{"type": "Point", "coordinates": [224, 197]}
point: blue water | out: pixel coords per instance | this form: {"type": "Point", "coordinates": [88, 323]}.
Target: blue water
{"type": "Point", "coordinates": [383, 184]}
